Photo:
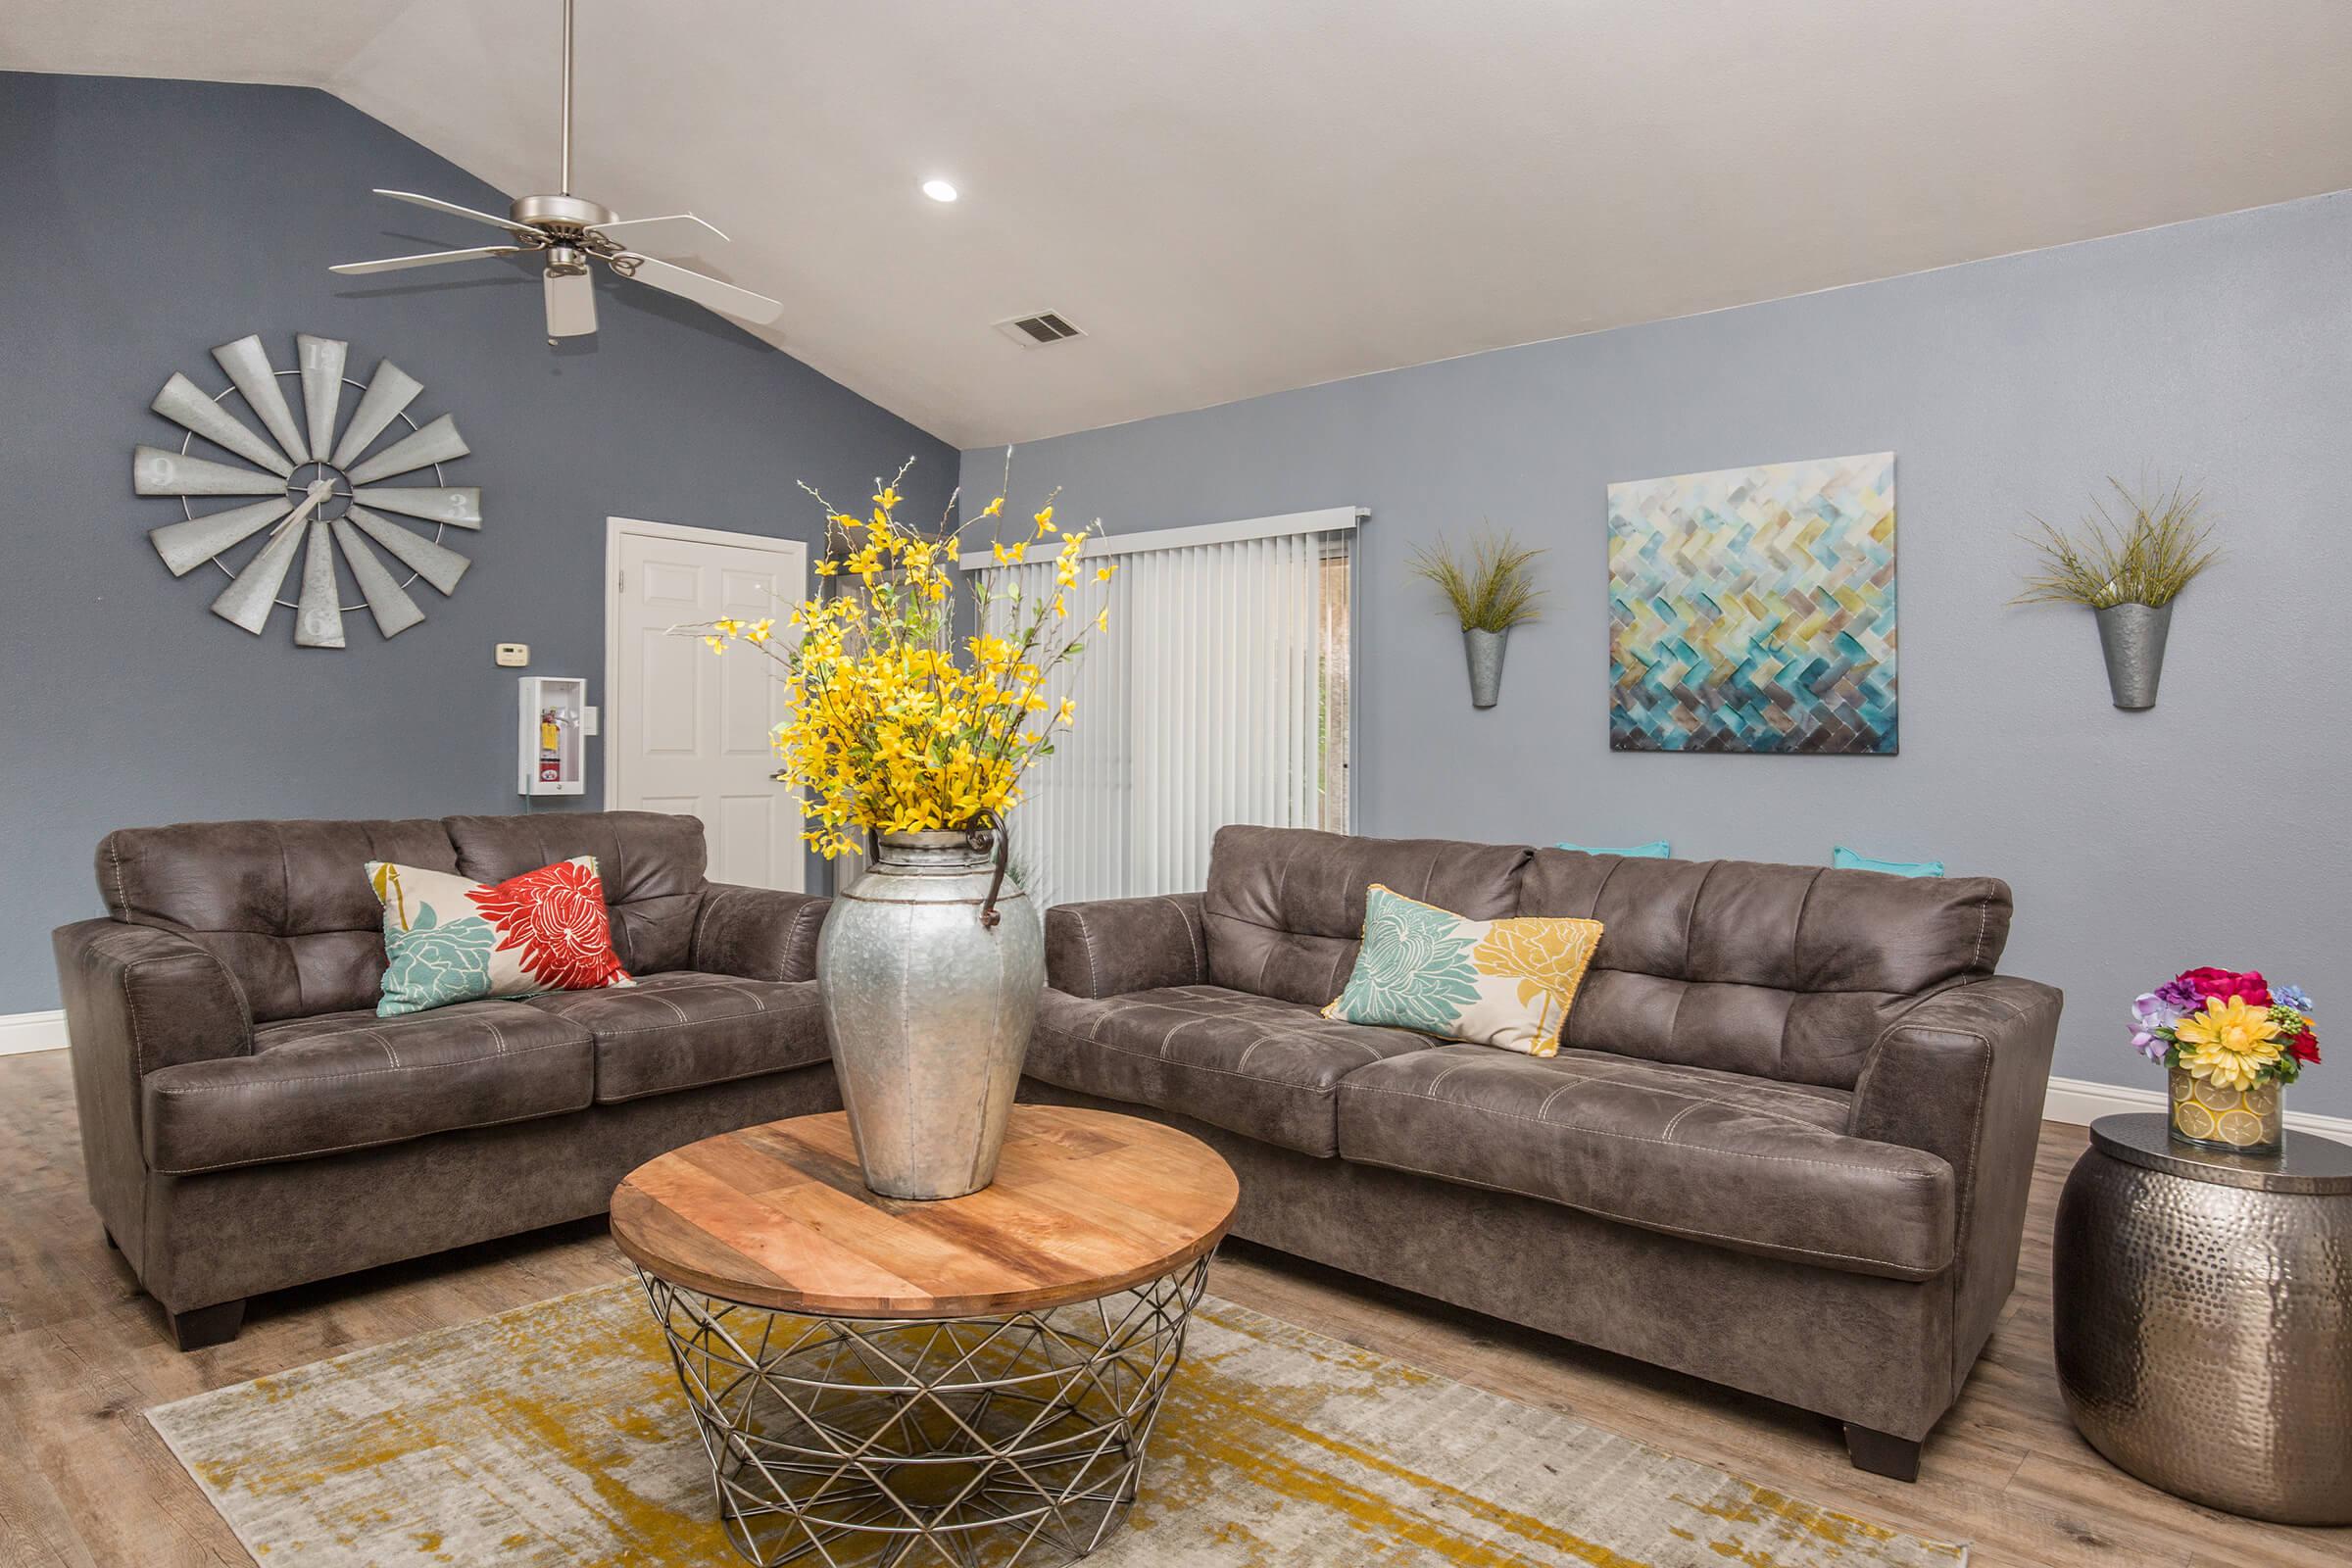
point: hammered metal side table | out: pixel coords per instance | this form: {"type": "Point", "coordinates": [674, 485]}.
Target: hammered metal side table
{"type": "Point", "coordinates": [949, 1384]}
{"type": "Point", "coordinates": [2203, 1316]}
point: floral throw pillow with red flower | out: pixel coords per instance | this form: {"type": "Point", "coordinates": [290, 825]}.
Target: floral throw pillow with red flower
{"type": "Point", "coordinates": [450, 938]}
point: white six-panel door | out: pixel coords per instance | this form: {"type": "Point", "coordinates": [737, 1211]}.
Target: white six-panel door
{"type": "Point", "coordinates": [686, 730]}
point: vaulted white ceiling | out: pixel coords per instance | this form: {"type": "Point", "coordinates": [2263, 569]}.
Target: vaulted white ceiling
{"type": "Point", "coordinates": [1237, 196]}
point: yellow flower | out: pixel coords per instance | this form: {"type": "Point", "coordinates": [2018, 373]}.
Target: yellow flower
{"type": "Point", "coordinates": [1069, 710]}
{"type": "Point", "coordinates": [1010, 555]}
{"type": "Point", "coordinates": [827, 566]}
{"type": "Point", "coordinates": [719, 645]}
{"type": "Point", "coordinates": [759, 630]}
{"type": "Point", "coordinates": [1102, 619]}
{"type": "Point", "coordinates": [729, 625]}
{"type": "Point", "coordinates": [993, 508]}
{"type": "Point", "coordinates": [2229, 1043]}
{"type": "Point", "coordinates": [844, 519]}
{"type": "Point", "coordinates": [1045, 524]}
{"type": "Point", "coordinates": [1060, 606]}
{"type": "Point", "coordinates": [887, 498]}
{"type": "Point", "coordinates": [1104, 573]}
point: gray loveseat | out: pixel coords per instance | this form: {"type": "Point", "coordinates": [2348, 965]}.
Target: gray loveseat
{"type": "Point", "coordinates": [1786, 1144]}
{"type": "Point", "coordinates": [249, 1123]}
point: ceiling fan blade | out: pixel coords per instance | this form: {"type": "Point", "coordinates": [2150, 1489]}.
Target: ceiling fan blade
{"type": "Point", "coordinates": [454, 211]}
{"type": "Point", "coordinates": [740, 303]}
{"type": "Point", "coordinates": [392, 264]}
{"type": "Point", "coordinates": [571, 304]}
{"type": "Point", "coordinates": [643, 233]}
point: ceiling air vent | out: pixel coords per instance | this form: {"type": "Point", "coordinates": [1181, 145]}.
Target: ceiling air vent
{"type": "Point", "coordinates": [1035, 332]}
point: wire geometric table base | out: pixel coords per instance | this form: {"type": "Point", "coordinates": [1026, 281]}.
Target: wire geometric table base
{"type": "Point", "coordinates": [968, 1443]}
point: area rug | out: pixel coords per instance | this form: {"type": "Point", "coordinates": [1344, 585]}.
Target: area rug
{"type": "Point", "coordinates": [555, 1434]}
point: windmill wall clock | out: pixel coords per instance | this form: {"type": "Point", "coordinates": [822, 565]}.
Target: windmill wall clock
{"type": "Point", "coordinates": [323, 484]}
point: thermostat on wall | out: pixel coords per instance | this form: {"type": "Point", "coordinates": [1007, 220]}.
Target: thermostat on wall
{"type": "Point", "coordinates": [513, 656]}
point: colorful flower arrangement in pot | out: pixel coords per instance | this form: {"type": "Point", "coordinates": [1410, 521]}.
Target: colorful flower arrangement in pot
{"type": "Point", "coordinates": [2231, 1041]}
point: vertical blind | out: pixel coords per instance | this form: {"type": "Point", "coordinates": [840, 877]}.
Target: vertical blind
{"type": "Point", "coordinates": [1217, 694]}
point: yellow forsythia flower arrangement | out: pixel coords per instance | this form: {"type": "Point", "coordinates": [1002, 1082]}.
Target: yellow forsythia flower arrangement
{"type": "Point", "coordinates": [897, 726]}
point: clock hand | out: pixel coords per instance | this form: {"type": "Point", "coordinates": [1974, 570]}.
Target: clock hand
{"type": "Point", "coordinates": [321, 489]}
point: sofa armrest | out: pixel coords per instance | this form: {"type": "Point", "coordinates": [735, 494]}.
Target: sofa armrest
{"type": "Point", "coordinates": [758, 933]}
{"type": "Point", "coordinates": [1963, 1075]}
{"type": "Point", "coordinates": [139, 996]}
{"type": "Point", "coordinates": [1109, 946]}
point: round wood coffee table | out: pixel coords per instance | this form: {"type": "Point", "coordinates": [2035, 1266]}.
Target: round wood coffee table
{"type": "Point", "coordinates": [975, 1376]}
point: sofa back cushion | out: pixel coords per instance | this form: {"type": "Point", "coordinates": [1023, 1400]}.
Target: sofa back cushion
{"type": "Point", "coordinates": [284, 905]}
{"type": "Point", "coordinates": [1285, 906]}
{"type": "Point", "coordinates": [1777, 971]}
{"type": "Point", "coordinates": [652, 864]}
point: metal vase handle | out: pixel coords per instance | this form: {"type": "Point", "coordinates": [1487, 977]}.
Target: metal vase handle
{"type": "Point", "coordinates": [988, 826]}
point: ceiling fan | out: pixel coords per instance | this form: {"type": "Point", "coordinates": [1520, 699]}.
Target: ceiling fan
{"type": "Point", "coordinates": [574, 233]}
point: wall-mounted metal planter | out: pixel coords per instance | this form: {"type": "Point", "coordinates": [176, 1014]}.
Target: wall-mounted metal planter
{"type": "Point", "coordinates": [1484, 649]}
{"type": "Point", "coordinates": [2132, 636]}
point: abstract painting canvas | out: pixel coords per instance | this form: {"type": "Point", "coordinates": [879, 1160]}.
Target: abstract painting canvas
{"type": "Point", "coordinates": [1752, 610]}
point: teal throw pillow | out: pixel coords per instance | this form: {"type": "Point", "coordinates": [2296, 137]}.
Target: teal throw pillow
{"type": "Point", "coordinates": [1845, 859]}
{"type": "Point", "coordinates": [1655, 849]}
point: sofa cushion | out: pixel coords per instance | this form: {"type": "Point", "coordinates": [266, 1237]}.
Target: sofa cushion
{"type": "Point", "coordinates": [651, 862]}
{"type": "Point", "coordinates": [1247, 1064]}
{"type": "Point", "coordinates": [1781, 971]}
{"type": "Point", "coordinates": [285, 906]}
{"type": "Point", "coordinates": [1741, 1162]}
{"type": "Point", "coordinates": [1285, 906]}
{"type": "Point", "coordinates": [680, 1029]}
{"type": "Point", "coordinates": [349, 1080]}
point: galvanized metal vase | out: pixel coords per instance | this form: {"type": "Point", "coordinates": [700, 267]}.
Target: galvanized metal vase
{"type": "Point", "coordinates": [2132, 636]}
{"type": "Point", "coordinates": [930, 965]}
{"type": "Point", "coordinates": [1484, 649]}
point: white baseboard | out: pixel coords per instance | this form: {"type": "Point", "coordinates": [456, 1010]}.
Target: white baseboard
{"type": "Point", "coordinates": [2081, 1101]}
{"type": "Point", "coordinates": [21, 1032]}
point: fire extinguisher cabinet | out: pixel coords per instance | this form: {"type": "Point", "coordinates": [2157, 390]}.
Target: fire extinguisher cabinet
{"type": "Point", "coordinates": [551, 760]}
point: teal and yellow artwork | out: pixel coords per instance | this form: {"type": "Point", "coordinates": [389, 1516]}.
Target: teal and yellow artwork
{"type": "Point", "coordinates": [1752, 610]}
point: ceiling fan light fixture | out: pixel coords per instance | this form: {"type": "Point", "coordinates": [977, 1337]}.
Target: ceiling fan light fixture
{"type": "Point", "coordinates": [939, 190]}
{"type": "Point", "coordinates": [572, 231]}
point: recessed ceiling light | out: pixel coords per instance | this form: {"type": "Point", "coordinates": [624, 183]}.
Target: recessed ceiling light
{"type": "Point", "coordinates": [939, 190]}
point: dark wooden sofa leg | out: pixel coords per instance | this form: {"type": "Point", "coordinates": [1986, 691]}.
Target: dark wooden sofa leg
{"type": "Point", "coordinates": [209, 1325]}
{"type": "Point", "coordinates": [1881, 1455]}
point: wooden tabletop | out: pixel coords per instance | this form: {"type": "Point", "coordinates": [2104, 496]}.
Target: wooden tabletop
{"type": "Point", "coordinates": [1085, 1203]}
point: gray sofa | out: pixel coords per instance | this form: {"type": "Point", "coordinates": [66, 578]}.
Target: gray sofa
{"type": "Point", "coordinates": [1786, 1144]}
{"type": "Point", "coordinates": [249, 1123]}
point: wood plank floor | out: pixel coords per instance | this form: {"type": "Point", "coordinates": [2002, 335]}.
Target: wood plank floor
{"type": "Point", "coordinates": [85, 1480]}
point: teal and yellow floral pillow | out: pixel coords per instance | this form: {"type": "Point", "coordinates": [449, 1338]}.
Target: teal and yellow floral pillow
{"type": "Point", "coordinates": [1505, 983]}
{"type": "Point", "coordinates": [448, 938]}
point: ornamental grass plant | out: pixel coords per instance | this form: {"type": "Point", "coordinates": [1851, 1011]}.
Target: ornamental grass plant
{"type": "Point", "coordinates": [2147, 556]}
{"type": "Point", "coordinates": [896, 725]}
{"type": "Point", "coordinates": [1491, 588]}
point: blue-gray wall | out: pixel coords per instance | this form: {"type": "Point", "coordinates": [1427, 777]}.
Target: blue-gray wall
{"type": "Point", "coordinates": [2211, 829]}
{"type": "Point", "coordinates": [149, 220]}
